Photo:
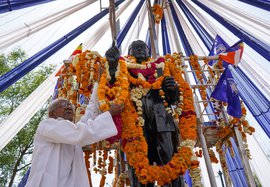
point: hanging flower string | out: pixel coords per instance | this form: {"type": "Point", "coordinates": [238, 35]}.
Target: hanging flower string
{"type": "Point", "coordinates": [157, 12]}
{"type": "Point", "coordinates": [187, 123]}
{"type": "Point", "coordinates": [199, 74]}
{"type": "Point", "coordinates": [86, 70]}
{"type": "Point", "coordinates": [244, 128]}
{"type": "Point", "coordinates": [118, 93]}
{"type": "Point", "coordinates": [67, 84]}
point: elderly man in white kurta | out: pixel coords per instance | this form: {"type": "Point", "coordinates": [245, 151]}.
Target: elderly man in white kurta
{"type": "Point", "coordinates": [58, 157]}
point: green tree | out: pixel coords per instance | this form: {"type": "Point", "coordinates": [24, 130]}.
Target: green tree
{"type": "Point", "coordinates": [14, 158]}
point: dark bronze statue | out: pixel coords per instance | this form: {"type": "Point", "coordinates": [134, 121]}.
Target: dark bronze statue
{"type": "Point", "coordinates": [160, 131]}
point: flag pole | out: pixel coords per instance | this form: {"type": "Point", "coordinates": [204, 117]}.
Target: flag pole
{"type": "Point", "coordinates": [242, 151]}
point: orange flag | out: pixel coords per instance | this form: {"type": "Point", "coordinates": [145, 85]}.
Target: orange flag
{"type": "Point", "coordinates": [78, 50]}
{"type": "Point", "coordinates": [234, 55]}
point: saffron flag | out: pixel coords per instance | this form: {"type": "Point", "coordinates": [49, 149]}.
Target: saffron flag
{"type": "Point", "coordinates": [233, 54]}
{"type": "Point", "coordinates": [219, 46]}
{"type": "Point", "coordinates": [78, 50]}
{"type": "Point", "coordinates": [227, 91]}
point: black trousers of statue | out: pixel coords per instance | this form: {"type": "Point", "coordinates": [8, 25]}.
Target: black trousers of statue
{"type": "Point", "coordinates": [162, 137]}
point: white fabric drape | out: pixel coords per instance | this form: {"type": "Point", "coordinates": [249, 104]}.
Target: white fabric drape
{"type": "Point", "coordinates": [136, 28]}
{"type": "Point", "coordinates": [259, 161]}
{"type": "Point", "coordinates": [173, 36]}
{"type": "Point", "coordinates": [18, 34]}
{"type": "Point", "coordinates": [256, 27]}
{"type": "Point", "coordinates": [26, 110]}
{"type": "Point", "coordinates": [91, 42]}
{"type": "Point", "coordinates": [251, 66]}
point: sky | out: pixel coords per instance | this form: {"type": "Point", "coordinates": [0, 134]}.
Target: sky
{"type": "Point", "coordinates": [11, 21]}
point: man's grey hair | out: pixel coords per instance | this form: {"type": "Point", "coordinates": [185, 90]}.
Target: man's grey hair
{"type": "Point", "coordinates": [54, 104]}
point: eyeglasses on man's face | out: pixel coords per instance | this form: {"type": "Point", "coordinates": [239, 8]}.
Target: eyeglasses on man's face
{"type": "Point", "coordinates": [67, 105]}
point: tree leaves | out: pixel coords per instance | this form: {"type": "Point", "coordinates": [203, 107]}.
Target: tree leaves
{"type": "Point", "coordinates": [14, 158]}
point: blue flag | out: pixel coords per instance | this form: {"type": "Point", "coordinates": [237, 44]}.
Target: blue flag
{"type": "Point", "coordinates": [227, 91]}
{"type": "Point", "coordinates": [56, 91]}
{"type": "Point", "coordinates": [219, 46]}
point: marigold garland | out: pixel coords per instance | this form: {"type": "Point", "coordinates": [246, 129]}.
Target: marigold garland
{"type": "Point", "coordinates": [199, 74]}
{"type": "Point", "coordinates": [157, 12]}
{"type": "Point", "coordinates": [134, 141]}
{"type": "Point", "coordinates": [132, 134]}
{"type": "Point", "coordinates": [86, 70]}
{"type": "Point", "coordinates": [118, 92]}
{"type": "Point", "coordinates": [187, 123]}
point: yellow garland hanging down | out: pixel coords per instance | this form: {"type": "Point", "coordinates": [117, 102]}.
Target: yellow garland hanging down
{"type": "Point", "coordinates": [134, 143]}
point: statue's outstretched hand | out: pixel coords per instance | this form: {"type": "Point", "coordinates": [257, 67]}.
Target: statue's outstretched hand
{"type": "Point", "coordinates": [171, 90]}
{"type": "Point", "coordinates": [112, 55]}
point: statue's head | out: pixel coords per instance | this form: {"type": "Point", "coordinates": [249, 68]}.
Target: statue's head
{"type": "Point", "coordinates": [139, 50]}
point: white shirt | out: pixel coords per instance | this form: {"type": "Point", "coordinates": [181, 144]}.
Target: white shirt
{"type": "Point", "coordinates": [58, 157]}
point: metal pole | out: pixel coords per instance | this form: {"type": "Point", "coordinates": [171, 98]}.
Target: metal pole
{"type": "Point", "coordinates": [113, 21]}
{"type": "Point", "coordinates": [242, 151]}
{"type": "Point", "coordinates": [206, 156]}
{"type": "Point", "coordinates": [203, 143]}
{"type": "Point", "coordinates": [153, 37]}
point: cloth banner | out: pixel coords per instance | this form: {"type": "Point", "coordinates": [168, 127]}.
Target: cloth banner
{"type": "Point", "coordinates": [219, 46]}
{"type": "Point", "coordinates": [227, 91]}
{"type": "Point", "coordinates": [78, 50]}
{"type": "Point", "coordinates": [233, 54]}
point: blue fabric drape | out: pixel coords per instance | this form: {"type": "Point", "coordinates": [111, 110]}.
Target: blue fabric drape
{"type": "Point", "coordinates": [255, 101]}
{"type": "Point", "coordinates": [148, 41]}
{"type": "Point", "coordinates": [263, 4]}
{"type": "Point", "coordinates": [181, 33]}
{"type": "Point", "coordinates": [259, 46]}
{"type": "Point", "coordinates": [165, 38]}
{"type": "Point", "coordinates": [208, 39]}
{"type": "Point", "coordinates": [235, 166]}
{"type": "Point", "coordinates": [10, 5]}
{"type": "Point", "coordinates": [123, 32]}
{"type": "Point", "coordinates": [19, 71]}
